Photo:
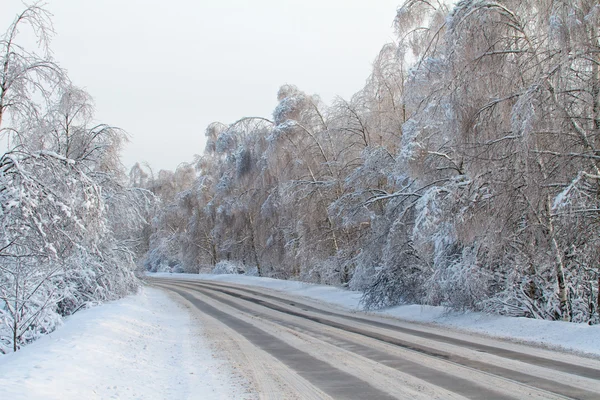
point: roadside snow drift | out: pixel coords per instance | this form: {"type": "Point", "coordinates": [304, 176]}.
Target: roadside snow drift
{"type": "Point", "coordinates": [142, 347]}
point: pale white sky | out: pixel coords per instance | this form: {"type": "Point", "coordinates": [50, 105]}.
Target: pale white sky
{"type": "Point", "coordinates": [163, 70]}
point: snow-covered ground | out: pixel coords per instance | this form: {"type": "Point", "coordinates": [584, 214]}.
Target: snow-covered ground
{"type": "Point", "coordinates": [149, 346]}
{"type": "Point", "coordinates": [556, 334]}
{"type": "Point", "coordinates": [146, 346]}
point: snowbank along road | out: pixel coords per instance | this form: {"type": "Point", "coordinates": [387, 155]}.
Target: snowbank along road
{"type": "Point", "coordinates": [295, 348]}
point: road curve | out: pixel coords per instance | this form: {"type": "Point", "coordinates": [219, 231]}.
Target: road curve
{"type": "Point", "coordinates": [296, 348]}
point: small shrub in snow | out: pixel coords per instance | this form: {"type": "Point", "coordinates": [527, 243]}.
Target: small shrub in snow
{"type": "Point", "coordinates": [227, 267]}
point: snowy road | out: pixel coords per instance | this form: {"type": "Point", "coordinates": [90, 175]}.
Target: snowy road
{"type": "Point", "coordinates": [298, 348]}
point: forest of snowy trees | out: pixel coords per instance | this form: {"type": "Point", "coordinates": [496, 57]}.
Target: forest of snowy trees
{"type": "Point", "coordinates": [69, 223]}
{"type": "Point", "coordinates": [465, 173]}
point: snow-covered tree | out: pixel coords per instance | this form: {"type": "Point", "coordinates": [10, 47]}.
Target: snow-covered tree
{"type": "Point", "coordinates": [68, 221]}
{"type": "Point", "coordinates": [464, 173]}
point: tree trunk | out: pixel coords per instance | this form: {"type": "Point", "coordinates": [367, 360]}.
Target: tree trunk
{"type": "Point", "coordinates": [532, 287]}
{"type": "Point", "coordinates": [596, 94]}
{"type": "Point", "coordinates": [596, 117]}
{"type": "Point", "coordinates": [16, 314]}
{"type": "Point", "coordinates": [251, 220]}
{"type": "Point", "coordinates": [213, 248]}
{"type": "Point", "coordinates": [563, 296]}
{"type": "Point", "coordinates": [15, 335]}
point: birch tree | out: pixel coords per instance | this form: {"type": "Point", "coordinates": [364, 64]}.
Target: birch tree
{"type": "Point", "coordinates": [66, 216]}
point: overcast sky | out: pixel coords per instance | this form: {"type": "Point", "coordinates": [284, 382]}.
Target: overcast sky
{"type": "Point", "coordinates": [163, 70]}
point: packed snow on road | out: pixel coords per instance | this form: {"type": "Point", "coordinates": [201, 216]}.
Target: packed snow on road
{"type": "Point", "coordinates": [576, 337]}
{"type": "Point", "coordinates": [149, 346]}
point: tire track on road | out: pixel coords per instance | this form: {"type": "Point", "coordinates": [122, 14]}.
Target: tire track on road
{"type": "Point", "coordinates": [330, 380]}
{"type": "Point", "coordinates": [449, 382]}
{"type": "Point", "coordinates": [557, 365]}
